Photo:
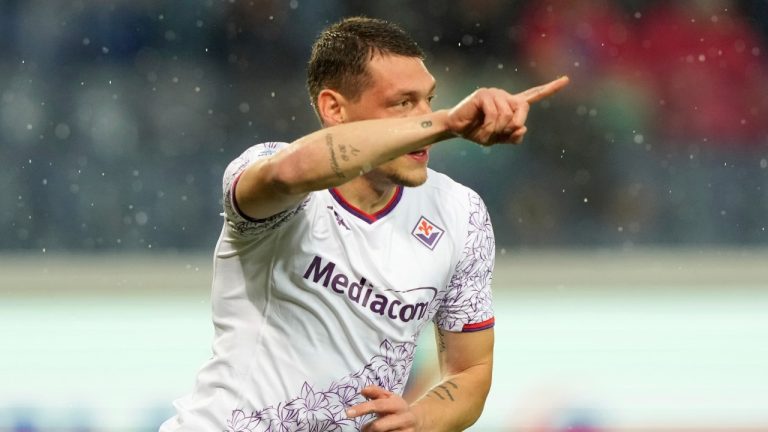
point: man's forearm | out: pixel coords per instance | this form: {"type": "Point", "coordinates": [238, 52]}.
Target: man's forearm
{"type": "Point", "coordinates": [332, 156]}
{"type": "Point", "coordinates": [456, 402]}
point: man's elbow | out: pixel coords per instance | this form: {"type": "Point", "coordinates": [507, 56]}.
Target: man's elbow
{"type": "Point", "coordinates": [285, 178]}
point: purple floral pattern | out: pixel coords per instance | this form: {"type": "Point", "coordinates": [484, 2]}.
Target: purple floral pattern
{"type": "Point", "coordinates": [237, 222]}
{"type": "Point", "coordinates": [468, 298]}
{"type": "Point", "coordinates": [325, 410]}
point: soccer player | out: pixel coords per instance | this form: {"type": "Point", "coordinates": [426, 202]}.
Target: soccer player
{"type": "Point", "coordinates": [338, 249]}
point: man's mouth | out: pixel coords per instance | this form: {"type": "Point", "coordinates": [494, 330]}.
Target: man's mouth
{"type": "Point", "coordinates": [421, 155]}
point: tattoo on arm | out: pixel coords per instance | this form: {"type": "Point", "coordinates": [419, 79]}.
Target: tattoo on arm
{"type": "Point", "coordinates": [334, 162]}
{"type": "Point", "coordinates": [436, 393]}
{"type": "Point", "coordinates": [447, 392]}
{"type": "Point", "coordinates": [442, 391]}
{"type": "Point", "coordinates": [426, 123]}
{"type": "Point", "coordinates": [343, 151]}
{"type": "Point", "coordinates": [440, 340]}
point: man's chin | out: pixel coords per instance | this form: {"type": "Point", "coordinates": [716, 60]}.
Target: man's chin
{"type": "Point", "coordinates": [409, 180]}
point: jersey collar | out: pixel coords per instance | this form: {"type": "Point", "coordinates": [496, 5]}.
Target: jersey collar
{"type": "Point", "coordinates": [368, 217]}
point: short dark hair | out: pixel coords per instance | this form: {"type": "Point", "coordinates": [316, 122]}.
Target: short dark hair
{"type": "Point", "coordinates": [341, 53]}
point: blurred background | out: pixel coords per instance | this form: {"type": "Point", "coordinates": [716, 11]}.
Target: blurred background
{"type": "Point", "coordinates": [631, 286]}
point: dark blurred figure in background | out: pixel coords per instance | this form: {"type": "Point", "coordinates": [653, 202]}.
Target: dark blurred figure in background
{"type": "Point", "coordinates": [661, 139]}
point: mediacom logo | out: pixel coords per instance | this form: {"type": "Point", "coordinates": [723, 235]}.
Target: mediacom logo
{"type": "Point", "coordinates": [361, 293]}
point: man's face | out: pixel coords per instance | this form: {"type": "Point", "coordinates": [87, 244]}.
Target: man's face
{"type": "Point", "coordinates": [400, 87]}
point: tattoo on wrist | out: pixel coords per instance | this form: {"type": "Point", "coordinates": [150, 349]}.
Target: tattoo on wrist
{"type": "Point", "coordinates": [426, 123]}
{"type": "Point", "coordinates": [440, 340]}
{"type": "Point", "coordinates": [334, 162]}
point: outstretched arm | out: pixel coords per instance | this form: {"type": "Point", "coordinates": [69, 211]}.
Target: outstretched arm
{"type": "Point", "coordinates": [334, 155]}
{"type": "Point", "coordinates": [330, 157]}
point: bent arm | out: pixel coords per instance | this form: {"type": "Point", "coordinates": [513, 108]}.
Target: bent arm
{"type": "Point", "coordinates": [466, 363]}
{"type": "Point", "coordinates": [330, 157]}
{"type": "Point", "coordinates": [333, 156]}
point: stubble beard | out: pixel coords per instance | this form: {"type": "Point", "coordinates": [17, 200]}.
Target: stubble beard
{"type": "Point", "coordinates": [405, 177]}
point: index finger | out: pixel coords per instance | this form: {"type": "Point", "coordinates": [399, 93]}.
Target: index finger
{"type": "Point", "coordinates": [375, 406]}
{"type": "Point", "coordinates": [535, 94]}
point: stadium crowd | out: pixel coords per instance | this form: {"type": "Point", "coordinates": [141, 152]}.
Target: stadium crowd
{"type": "Point", "coordinates": [117, 118]}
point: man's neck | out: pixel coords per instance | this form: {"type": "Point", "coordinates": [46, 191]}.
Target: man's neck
{"type": "Point", "coordinates": [366, 195]}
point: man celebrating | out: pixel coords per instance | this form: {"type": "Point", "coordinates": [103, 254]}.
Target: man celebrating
{"type": "Point", "coordinates": [339, 248]}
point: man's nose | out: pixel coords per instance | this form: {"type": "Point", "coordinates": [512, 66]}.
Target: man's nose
{"type": "Point", "coordinates": [423, 107]}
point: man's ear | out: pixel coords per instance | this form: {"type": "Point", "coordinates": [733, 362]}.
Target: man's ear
{"type": "Point", "coordinates": [331, 106]}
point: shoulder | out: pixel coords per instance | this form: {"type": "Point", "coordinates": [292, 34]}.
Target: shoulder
{"type": "Point", "coordinates": [450, 193]}
{"type": "Point", "coordinates": [260, 150]}
{"type": "Point", "coordinates": [249, 156]}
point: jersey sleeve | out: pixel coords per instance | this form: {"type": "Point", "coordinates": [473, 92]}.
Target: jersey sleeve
{"type": "Point", "coordinates": [237, 221]}
{"type": "Point", "coordinates": [467, 306]}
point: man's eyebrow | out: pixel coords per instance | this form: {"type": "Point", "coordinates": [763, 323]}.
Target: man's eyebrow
{"type": "Point", "coordinates": [410, 92]}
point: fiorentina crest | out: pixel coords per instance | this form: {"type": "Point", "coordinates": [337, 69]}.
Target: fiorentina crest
{"type": "Point", "coordinates": [427, 233]}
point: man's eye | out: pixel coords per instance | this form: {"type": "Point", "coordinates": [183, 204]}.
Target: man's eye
{"type": "Point", "coordinates": [405, 103]}
{"type": "Point", "coordinates": [430, 99]}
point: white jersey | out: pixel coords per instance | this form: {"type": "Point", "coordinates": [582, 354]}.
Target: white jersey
{"type": "Point", "coordinates": [317, 302]}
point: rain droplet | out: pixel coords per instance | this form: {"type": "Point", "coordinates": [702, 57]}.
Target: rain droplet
{"type": "Point", "coordinates": [244, 107]}
{"type": "Point", "coordinates": [141, 218]}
